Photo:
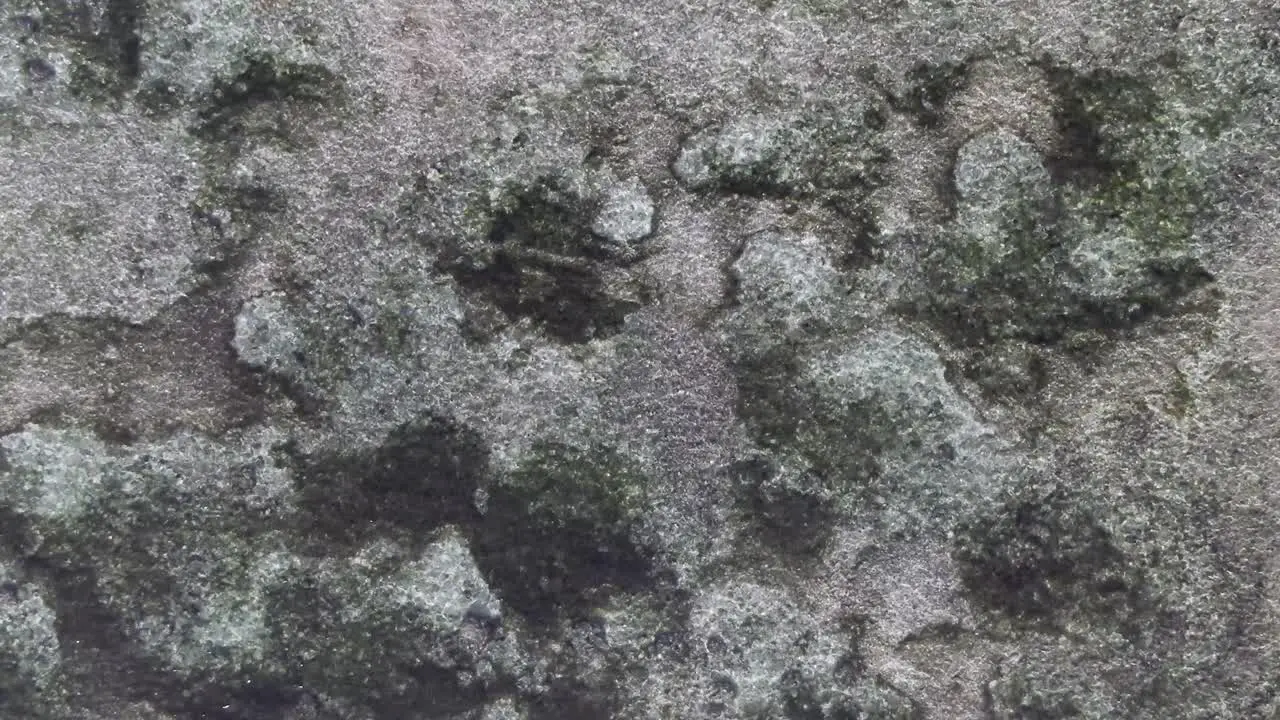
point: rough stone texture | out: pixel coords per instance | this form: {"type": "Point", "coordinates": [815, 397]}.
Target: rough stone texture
{"type": "Point", "coordinates": [522, 360]}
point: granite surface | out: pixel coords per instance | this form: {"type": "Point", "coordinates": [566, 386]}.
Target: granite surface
{"type": "Point", "coordinates": [574, 359]}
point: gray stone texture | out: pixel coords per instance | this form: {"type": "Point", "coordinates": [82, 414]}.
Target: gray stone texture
{"type": "Point", "coordinates": [533, 359]}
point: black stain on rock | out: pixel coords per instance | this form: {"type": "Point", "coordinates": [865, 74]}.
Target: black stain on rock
{"type": "Point", "coordinates": [423, 477]}
{"type": "Point", "coordinates": [542, 262]}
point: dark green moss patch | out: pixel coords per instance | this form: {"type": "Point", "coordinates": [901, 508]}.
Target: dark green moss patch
{"type": "Point", "coordinates": [557, 533]}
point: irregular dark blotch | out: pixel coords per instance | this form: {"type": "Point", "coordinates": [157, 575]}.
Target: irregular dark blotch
{"type": "Point", "coordinates": [264, 81]}
{"type": "Point", "coordinates": [930, 87]}
{"type": "Point", "coordinates": [110, 47]}
{"type": "Point", "coordinates": [423, 477]}
{"type": "Point", "coordinates": [1087, 104]}
{"type": "Point", "coordinates": [124, 20]}
{"type": "Point", "coordinates": [28, 25]}
{"type": "Point", "coordinates": [768, 399]}
{"type": "Point", "coordinates": [1035, 558]}
{"type": "Point", "coordinates": [544, 218]}
{"type": "Point", "coordinates": [159, 98]}
{"type": "Point", "coordinates": [569, 302]}
{"type": "Point", "coordinates": [542, 263]}
{"type": "Point", "coordinates": [557, 534]}
{"type": "Point", "coordinates": [801, 699]}
{"type": "Point", "coordinates": [1038, 307]}
{"type": "Point", "coordinates": [378, 658]}
{"type": "Point", "coordinates": [38, 70]}
{"type": "Point", "coordinates": [860, 243]}
{"type": "Point", "coordinates": [796, 518]}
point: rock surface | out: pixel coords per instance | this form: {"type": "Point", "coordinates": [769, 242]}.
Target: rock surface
{"type": "Point", "coordinates": [522, 360]}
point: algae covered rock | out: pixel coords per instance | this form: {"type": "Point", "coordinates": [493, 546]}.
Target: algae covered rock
{"type": "Point", "coordinates": [1099, 235]}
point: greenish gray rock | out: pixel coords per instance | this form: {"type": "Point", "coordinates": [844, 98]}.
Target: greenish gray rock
{"type": "Point", "coordinates": [773, 359]}
{"type": "Point", "coordinates": [625, 217]}
{"type": "Point", "coordinates": [30, 659]}
{"type": "Point", "coordinates": [786, 154]}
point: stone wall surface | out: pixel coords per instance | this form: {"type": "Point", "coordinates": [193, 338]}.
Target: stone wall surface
{"type": "Point", "coordinates": [576, 359]}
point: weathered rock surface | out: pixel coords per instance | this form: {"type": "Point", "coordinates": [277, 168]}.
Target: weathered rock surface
{"type": "Point", "coordinates": [495, 360]}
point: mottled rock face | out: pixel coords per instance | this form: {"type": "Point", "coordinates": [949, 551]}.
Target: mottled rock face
{"type": "Point", "coordinates": [523, 360]}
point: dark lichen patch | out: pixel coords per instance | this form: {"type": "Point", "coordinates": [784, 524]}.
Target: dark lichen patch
{"type": "Point", "coordinates": [160, 98]}
{"type": "Point", "coordinates": [788, 510]}
{"type": "Point", "coordinates": [833, 446]}
{"type": "Point", "coordinates": [1044, 555]}
{"type": "Point", "coordinates": [107, 61]}
{"type": "Point", "coordinates": [558, 532]}
{"type": "Point", "coordinates": [929, 87]}
{"type": "Point", "coordinates": [1118, 157]}
{"type": "Point", "coordinates": [379, 656]}
{"type": "Point", "coordinates": [1107, 243]}
{"type": "Point", "coordinates": [87, 630]}
{"type": "Point", "coordinates": [265, 99]}
{"type": "Point", "coordinates": [540, 261]}
{"type": "Point", "coordinates": [544, 217]}
{"type": "Point", "coordinates": [1181, 400]}
{"type": "Point", "coordinates": [769, 399]}
{"type": "Point", "coordinates": [1008, 371]}
{"type": "Point", "coordinates": [423, 477]}
{"type": "Point", "coordinates": [38, 71]}
{"type": "Point", "coordinates": [570, 302]}
{"type": "Point", "coordinates": [1096, 114]}
{"type": "Point", "coordinates": [859, 242]}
